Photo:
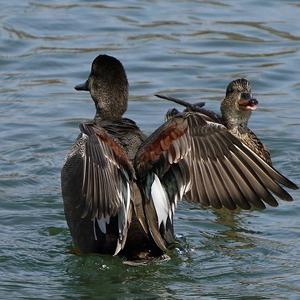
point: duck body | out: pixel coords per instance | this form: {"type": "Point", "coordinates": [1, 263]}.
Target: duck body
{"type": "Point", "coordinates": [99, 187]}
{"type": "Point", "coordinates": [87, 236]}
{"type": "Point", "coordinates": [249, 138]}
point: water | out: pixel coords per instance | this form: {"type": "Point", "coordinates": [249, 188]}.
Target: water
{"type": "Point", "coordinates": [189, 49]}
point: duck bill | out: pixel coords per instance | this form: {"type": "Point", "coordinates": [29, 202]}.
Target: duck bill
{"type": "Point", "coordinates": [248, 103]}
{"type": "Point", "coordinates": [82, 87]}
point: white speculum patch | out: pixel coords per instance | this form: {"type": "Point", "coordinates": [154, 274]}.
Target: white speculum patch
{"type": "Point", "coordinates": [160, 200]}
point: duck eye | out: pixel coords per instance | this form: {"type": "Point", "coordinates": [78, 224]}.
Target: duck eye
{"type": "Point", "coordinates": [229, 90]}
{"type": "Point", "coordinates": [245, 96]}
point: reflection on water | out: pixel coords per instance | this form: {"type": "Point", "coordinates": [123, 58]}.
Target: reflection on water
{"type": "Point", "coordinates": [189, 49]}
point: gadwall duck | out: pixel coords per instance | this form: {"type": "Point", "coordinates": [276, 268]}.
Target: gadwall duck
{"type": "Point", "coordinates": [120, 189]}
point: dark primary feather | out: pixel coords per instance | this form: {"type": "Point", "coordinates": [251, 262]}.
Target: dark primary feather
{"type": "Point", "coordinates": [193, 107]}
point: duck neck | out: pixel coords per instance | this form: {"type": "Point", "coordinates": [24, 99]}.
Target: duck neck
{"type": "Point", "coordinates": [234, 119]}
{"type": "Point", "coordinates": [235, 128]}
{"type": "Point", "coordinates": [110, 101]}
{"type": "Point", "coordinates": [106, 114]}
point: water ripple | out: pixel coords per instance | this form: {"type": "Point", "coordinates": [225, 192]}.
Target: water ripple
{"type": "Point", "coordinates": [185, 48]}
{"type": "Point", "coordinates": [263, 27]}
{"type": "Point", "coordinates": [25, 35]}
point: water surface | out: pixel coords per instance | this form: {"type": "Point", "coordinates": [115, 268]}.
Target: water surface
{"type": "Point", "coordinates": [189, 49]}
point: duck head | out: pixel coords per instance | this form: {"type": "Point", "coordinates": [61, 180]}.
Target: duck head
{"type": "Point", "coordinates": [108, 86]}
{"type": "Point", "coordinates": [238, 103]}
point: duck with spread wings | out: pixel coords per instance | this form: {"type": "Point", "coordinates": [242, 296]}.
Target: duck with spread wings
{"type": "Point", "coordinates": [120, 189]}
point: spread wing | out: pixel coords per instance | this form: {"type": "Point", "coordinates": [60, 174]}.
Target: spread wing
{"type": "Point", "coordinates": [162, 179]}
{"type": "Point", "coordinates": [193, 154]}
{"type": "Point", "coordinates": [107, 176]}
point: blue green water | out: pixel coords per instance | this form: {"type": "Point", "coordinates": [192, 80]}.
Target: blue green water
{"type": "Point", "coordinates": [189, 49]}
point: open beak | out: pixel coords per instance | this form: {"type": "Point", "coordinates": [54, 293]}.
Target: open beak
{"type": "Point", "coordinates": [82, 87]}
{"type": "Point", "coordinates": [246, 102]}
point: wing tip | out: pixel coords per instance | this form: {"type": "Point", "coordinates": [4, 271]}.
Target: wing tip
{"type": "Point", "coordinates": [292, 185]}
{"type": "Point", "coordinates": [119, 247]}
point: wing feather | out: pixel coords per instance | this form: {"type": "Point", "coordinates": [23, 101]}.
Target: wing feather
{"type": "Point", "coordinates": [194, 154]}
{"type": "Point", "coordinates": [107, 176]}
